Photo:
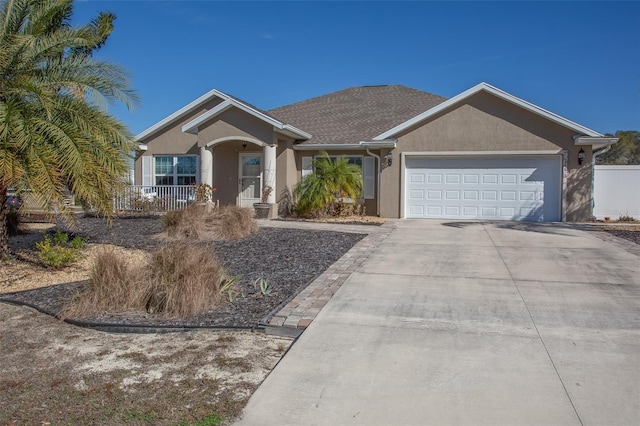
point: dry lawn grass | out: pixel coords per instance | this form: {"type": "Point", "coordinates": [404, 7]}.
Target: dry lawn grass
{"type": "Point", "coordinates": [180, 280]}
{"type": "Point", "coordinates": [198, 222]}
{"type": "Point", "coordinates": [55, 373]}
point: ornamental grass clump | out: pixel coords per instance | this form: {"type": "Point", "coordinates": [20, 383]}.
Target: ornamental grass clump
{"type": "Point", "coordinates": [184, 280]}
{"type": "Point", "coordinates": [234, 223]}
{"type": "Point", "coordinates": [179, 280]}
{"type": "Point", "coordinates": [199, 223]}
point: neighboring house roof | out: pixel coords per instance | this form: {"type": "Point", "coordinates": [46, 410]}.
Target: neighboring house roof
{"type": "Point", "coordinates": [390, 132]}
{"type": "Point", "coordinates": [357, 114]}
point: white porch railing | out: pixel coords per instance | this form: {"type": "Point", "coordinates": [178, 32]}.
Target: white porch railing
{"type": "Point", "coordinates": [156, 198]}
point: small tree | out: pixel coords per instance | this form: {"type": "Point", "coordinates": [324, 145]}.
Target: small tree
{"type": "Point", "coordinates": [331, 180]}
{"type": "Point", "coordinates": [55, 135]}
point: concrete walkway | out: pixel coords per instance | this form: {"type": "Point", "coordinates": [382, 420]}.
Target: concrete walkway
{"type": "Point", "coordinates": [469, 323]}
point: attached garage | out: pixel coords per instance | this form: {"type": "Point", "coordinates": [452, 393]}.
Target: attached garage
{"type": "Point", "coordinates": [510, 187]}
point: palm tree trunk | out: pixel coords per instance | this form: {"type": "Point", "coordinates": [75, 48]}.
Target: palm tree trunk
{"type": "Point", "coordinates": [4, 231]}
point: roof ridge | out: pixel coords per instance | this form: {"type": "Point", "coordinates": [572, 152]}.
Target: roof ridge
{"type": "Point", "coordinates": [337, 92]}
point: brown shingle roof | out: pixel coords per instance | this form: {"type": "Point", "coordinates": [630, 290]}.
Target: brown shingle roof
{"type": "Point", "coordinates": [356, 114]}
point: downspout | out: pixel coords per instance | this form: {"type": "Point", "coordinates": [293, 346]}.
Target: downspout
{"type": "Point", "coordinates": [377, 157]}
{"type": "Point", "coordinates": [593, 174]}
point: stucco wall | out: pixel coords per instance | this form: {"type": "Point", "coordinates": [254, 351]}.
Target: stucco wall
{"type": "Point", "coordinates": [233, 123]}
{"type": "Point", "coordinates": [171, 140]}
{"type": "Point", "coordinates": [487, 123]}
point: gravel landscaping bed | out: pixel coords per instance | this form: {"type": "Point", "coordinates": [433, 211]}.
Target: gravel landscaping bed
{"type": "Point", "coordinates": [629, 232]}
{"type": "Point", "coordinates": [288, 258]}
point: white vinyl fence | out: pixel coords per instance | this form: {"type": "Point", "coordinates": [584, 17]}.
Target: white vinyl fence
{"type": "Point", "coordinates": [616, 191]}
{"type": "Point", "coordinates": [157, 198]}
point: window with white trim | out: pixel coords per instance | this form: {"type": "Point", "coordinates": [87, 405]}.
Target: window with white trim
{"type": "Point", "coordinates": [175, 169]}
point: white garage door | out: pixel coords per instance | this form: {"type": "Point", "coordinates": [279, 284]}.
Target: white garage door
{"type": "Point", "coordinates": [497, 188]}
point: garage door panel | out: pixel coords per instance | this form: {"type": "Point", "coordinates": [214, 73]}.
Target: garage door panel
{"type": "Point", "coordinates": [501, 188]}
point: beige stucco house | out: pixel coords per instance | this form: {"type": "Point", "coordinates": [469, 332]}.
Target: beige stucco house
{"type": "Point", "coordinates": [483, 154]}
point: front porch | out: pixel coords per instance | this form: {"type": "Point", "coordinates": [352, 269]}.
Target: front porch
{"type": "Point", "coordinates": [243, 171]}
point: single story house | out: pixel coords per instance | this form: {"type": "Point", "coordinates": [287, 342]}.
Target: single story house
{"type": "Point", "coordinates": [483, 154]}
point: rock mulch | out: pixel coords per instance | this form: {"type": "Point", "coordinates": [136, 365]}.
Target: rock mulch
{"type": "Point", "coordinates": [629, 233]}
{"type": "Point", "coordinates": [288, 258]}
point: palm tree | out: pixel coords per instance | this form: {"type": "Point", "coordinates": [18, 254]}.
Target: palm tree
{"type": "Point", "coordinates": [331, 180]}
{"type": "Point", "coordinates": [55, 134]}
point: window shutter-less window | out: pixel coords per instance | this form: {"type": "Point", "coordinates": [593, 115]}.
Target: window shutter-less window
{"type": "Point", "coordinates": [369, 177]}
{"type": "Point", "coordinates": [147, 169]}
{"type": "Point", "coordinates": [307, 166]}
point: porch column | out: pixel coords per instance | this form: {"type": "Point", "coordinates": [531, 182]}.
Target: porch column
{"type": "Point", "coordinates": [269, 154]}
{"type": "Point", "coordinates": [206, 166]}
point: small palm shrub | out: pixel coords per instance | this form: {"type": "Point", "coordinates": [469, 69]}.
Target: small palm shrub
{"type": "Point", "coordinates": [180, 280]}
{"type": "Point", "coordinates": [331, 181]}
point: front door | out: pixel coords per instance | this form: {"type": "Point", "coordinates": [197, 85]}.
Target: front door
{"type": "Point", "coordinates": [250, 181]}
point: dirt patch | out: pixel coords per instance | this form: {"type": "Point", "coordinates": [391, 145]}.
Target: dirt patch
{"type": "Point", "coordinates": [55, 373]}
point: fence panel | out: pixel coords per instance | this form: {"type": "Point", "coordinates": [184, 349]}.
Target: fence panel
{"type": "Point", "coordinates": [616, 191]}
{"type": "Point", "coordinates": [156, 198]}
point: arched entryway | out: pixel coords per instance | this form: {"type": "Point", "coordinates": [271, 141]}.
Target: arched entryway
{"type": "Point", "coordinates": [239, 168]}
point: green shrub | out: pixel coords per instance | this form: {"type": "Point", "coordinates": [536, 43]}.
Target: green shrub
{"type": "Point", "coordinates": [61, 252]}
{"type": "Point", "coordinates": [55, 256]}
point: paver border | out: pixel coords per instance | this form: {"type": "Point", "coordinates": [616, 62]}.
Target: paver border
{"type": "Point", "coordinates": [296, 315]}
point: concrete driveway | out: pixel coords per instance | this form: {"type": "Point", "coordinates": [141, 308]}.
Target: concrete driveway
{"type": "Point", "coordinates": [470, 323]}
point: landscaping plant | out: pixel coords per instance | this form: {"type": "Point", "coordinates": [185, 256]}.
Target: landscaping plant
{"type": "Point", "coordinates": [223, 223]}
{"type": "Point", "coordinates": [61, 252]}
{"type": "Point", "coordinates": [180, 280]}
{"type": "Point", "coordinates": [331, 181]}
{"type": "Point", "coordinates": [57, 136]}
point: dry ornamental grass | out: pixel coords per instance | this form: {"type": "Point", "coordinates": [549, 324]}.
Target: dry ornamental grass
{"type": "Point", "coordinates": [199, 222]}
{"type": "Point", "coordinates": [181, 280]}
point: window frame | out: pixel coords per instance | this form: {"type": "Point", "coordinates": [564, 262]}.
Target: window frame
{"type": "Point", "coordinates": [174, 175]}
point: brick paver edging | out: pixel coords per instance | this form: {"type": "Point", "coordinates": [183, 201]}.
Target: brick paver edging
{"type": "Point", "coordinates": [305, 306]}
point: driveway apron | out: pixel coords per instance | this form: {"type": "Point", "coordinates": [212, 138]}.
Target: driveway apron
{"type": "Point", "coordinates": [469, 323]}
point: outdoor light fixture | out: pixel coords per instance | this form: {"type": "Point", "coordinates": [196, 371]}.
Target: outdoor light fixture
{"type": "Point", "coordinates": [244, 146]}
{"type": "Point", "coordinates": [581, 156]}
{"type": "Point", "coordinates": [388, 159]}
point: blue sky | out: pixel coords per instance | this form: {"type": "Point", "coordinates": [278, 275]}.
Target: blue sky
{"type": "Point", "coordinates": [577, 59]}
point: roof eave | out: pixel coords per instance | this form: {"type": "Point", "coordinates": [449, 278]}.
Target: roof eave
{"type": "Point", "coordinates": [345, 146]}
{"type": "Point", "coordinates": [596, 143]}
{"type": "Point", "coordinates": [496, 92]}
{"type": "Point", "coordinates": [192, 126]}
{"type": "Point", "coordinates": [179, 113]}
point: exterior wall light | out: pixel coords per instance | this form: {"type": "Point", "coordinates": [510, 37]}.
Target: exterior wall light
{"type": "Point", "coordinates": [388, 159]}
{"type": "Point", "coordinates": [581, 156]}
